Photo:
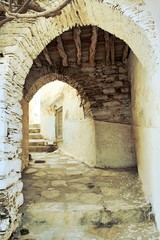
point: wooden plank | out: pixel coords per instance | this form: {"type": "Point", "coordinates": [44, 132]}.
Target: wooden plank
{"type": "Point", "coordinates": [112, 48]}
{"type": "Point", "coordinates": [47, 56]}
{"type": "Point", "coordinates": [107, 48]}
{"type": "Point", "coordinates": [93, 46]}
{"type": "Point", "coordinates": [61, 51]}
{"type": "Point", "coordinates": [125, 54]}
{"type": "Point", "coordinates": [77, 40]}
{"type": "Point", "coordinates": [38, 63]}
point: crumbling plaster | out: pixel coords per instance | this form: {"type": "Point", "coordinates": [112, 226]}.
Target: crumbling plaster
{"type": "Point", "coordinates": [23, 39]}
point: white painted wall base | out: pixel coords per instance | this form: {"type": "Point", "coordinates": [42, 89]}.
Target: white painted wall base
{"type": "Point", "coordinates": [114, 145]}
{"type": "Point", "coordinates": [79, 140]}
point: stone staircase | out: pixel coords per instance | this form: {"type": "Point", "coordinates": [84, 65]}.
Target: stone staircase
{"type": "Point", "coordinates": [36, 141]}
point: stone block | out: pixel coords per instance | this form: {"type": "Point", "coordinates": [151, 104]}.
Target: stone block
{"type": "Point", "coordinates": [8, 166]}
{"type": "Point", "coordinates": [16, 188]}
{"type": "Point", "coordinates": [109, 90]}
{"type": "Point", "coordinates": [19, 200]}
{"type": "Point", "coordinates": [4, 224]}
{"type": "Point", "coordinates": [123, 77]}
{"type": "Point", "coordinates": [118, 84]}
{"type": "Point", "coordinates": [125, 90]}
{"type": "Point", "coordinates": [123, 69]}
{"type": "Point", "coordinates": [9, 180]}
{"type": "Point", "coordinates": [3, 124]}
{"type": "Point", "coordinates": [111, 104]}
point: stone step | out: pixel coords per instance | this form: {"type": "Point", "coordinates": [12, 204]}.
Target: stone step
{"type": "Point", "coordinates": [49, 148]}
{"type": "Point", "coordinates": [137, 231]}
{"type": "Point", "coordinates": [35, 136]}
{"type": "Point", "coordinates": [95, 215]}
{"type": "Point", "coordinates": [34, 130]}
{"type": "Point", "coordinates": [38, 142]}
{"type": "Point", "coordinates": [34, 125]}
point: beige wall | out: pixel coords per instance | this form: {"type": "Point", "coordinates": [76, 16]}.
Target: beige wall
{"type": "Point", "coordinates": [114, 145]}
{"type": "Point", "coordinates": [50, 98]}
{"type": "Point", "coordinates": [146, 122]}
{"type": "Point", "coordinates": [34, 109]}
{"type": "Point", "coordinates": [78, 133]}
{"type": "Point", "coordinates": [154, 8]}
{"type": "Point", "coordinates": [79, 140]}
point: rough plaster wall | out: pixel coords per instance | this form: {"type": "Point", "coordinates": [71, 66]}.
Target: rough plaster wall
{"type": "Point", "coordinates": [114, 145]}
{"type": "Point", "coordinates": [34, 109]}
{"type": "Point", "coordinates": [50, 93]}
{"type": "Point", "coordinates": [21, 45]}
{"type": "Point", "coordinates": [78, 133]}
{"type": "Point", "coordinates": [146, 130]}
{"type": "Point", "coordinates": [154, 8]}
{"type": "Point", "coordinates": [47, 124]}
{"type": "Point", "coordinates": [80, 140]}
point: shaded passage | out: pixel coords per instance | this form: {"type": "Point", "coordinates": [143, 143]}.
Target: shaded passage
{"type": "Point", "coordinates": [66, 200]}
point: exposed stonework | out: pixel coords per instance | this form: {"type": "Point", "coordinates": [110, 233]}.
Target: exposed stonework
{"type": "Point", "coordinates": [22, 40]}
{"type": "Point", "coordinates": [107, 89]}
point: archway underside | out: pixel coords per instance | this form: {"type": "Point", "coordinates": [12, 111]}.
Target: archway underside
{"type": "Point", "coordinates": [92, 61]}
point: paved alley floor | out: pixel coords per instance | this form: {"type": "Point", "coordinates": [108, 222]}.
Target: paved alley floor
{"type": "Point", "coordinates": [66, 200]}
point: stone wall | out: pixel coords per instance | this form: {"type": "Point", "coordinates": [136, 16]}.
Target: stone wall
{"type": "Point", "coordinates": [11, 197]}
{"type": "Point", "coordinates": [107, 89]}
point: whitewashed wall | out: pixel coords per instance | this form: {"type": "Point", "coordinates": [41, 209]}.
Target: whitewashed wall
{"type": "Point", "coordinates": [114, 145]}
{"type": "Point", "coordinates": [146, 128]}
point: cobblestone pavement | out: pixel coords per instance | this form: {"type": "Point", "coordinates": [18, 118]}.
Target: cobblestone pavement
{"type": "Point", "coordinates": [66, 200]}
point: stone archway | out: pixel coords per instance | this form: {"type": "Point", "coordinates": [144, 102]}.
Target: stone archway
{"type": "Point", "coordinates": [103, 83]}
{"type": "Point", "coordinates": [25, 43]}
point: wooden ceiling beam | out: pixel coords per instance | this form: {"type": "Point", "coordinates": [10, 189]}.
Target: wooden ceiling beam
{"type": "Point", "coordinates": [112, 48]}
{"type": "Point", "coordinates": [38, 62]}
{"type": "Point", "coordinates": [125, 54]}
{"type": "Point", "coordinates": [47, 56]}
{"type": "Point", "coordinates": [61, 51]}
{"type": "Point", "coordinates": [93, 46]}
{"type": "Point", "coordinates": [77, 40]}
{"type": "Point", "coordinates": [107, 49]}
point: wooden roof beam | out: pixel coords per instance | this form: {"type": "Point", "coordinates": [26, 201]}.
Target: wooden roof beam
{"type": "Point", "coordinates": [112, 48]}
{"type": "Point", "coordinates": [77, 40]}
{"type": "Point", "coordinates": [38, 63]}
{"type": "Point", "coordinates": [107, 48]}
{"type": "Point", "coordinates": [125, 54]}
{"type": "Point", "coordinates": [47, 56]}
{"type": "Point", "coordinates": [93, 46]}
{"type": "Point", "coordinates": [61, 51]}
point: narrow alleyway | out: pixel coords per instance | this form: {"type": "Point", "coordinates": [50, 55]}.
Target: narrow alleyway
{"type": "Point", "coordinates": [66, 200]}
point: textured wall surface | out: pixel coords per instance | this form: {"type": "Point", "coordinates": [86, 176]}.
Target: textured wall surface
{"type": "Point", "coordinates": [114, 145]}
